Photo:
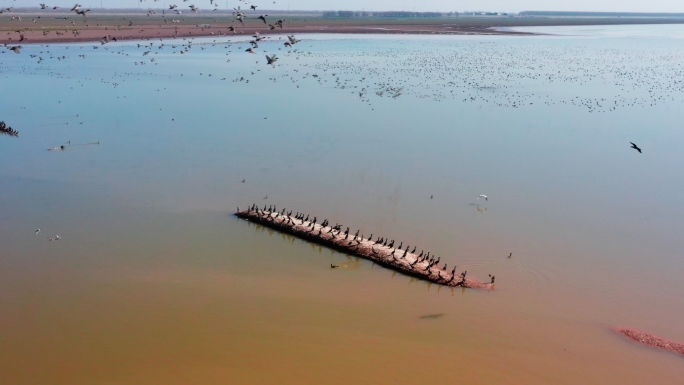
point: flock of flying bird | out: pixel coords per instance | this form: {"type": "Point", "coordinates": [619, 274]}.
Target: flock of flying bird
{"type": "Point", "coordinates": [507, 75]}
{"type": "Point", "coordinates": [237, 12]}
{"type": "Point", "coordinates": [433, 66]}
{"type": "Point", "coordinates": [173, 7]}
{"type": "Point", "coordinates": [196, 9]}
{"type": "Point", "coordinates": [476, 70]}
{"type": "Point", "coordinates": [76, 8]}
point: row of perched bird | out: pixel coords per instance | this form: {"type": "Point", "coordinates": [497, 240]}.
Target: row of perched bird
{"type": "Point", "coordinates": [7, 130]}
{"type": "Point", "coordinates": [336, 231]}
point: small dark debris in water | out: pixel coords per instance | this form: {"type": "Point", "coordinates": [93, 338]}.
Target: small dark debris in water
{"type": "Point", "coordinates": [69, 144]}
{"type": "Point", "coordinates": [85, 144]}
{"type": "Point", "coordinates": [432, 316]}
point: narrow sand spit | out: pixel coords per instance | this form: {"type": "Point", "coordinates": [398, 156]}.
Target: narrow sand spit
{"type": "Point", "coordinates": [651, 340]}
{"type": "Point", "coordinates": [96, 34]}
{"type": "Point", "coordinates": [395, 259]}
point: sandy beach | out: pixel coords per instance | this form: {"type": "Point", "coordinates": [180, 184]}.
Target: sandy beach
{"type": "Point", "coordinates": [95, 29]}
{"type": "Point", "coordinates": [68, 27]}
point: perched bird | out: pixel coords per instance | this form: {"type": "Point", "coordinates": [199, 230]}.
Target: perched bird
{"type": "Point", "coordinates": [634, 146]}
{"type": "Point", "coordinates": [481, 196]}
{"type": "Point", "coordinates": [37, 231]}
{"type": "Point", "coordinates": [334, 266]}
{"type": "Point", "coordinates": [7, 130]}
{"type": "Point", "coordinates": [510, 255]}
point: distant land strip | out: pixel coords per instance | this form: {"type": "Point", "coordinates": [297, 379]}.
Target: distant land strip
{"type": "Point", "coordinates": [599, 14]}
{"type": "Point", "coordinates": [40, 27]}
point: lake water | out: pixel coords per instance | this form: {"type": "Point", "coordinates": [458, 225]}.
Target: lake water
{"type": "Point", "coordinates": [155, 282]}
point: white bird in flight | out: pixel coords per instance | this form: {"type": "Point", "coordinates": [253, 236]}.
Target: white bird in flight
{"type": "Point", "coordinates": [481, 196]}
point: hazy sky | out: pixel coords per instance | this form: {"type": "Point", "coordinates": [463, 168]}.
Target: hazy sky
{"type": "Point", "coordinates": [385, 5]}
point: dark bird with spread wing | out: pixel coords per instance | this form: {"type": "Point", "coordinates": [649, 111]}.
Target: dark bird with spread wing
{"type": "Point", "coordinates": [271, 59]}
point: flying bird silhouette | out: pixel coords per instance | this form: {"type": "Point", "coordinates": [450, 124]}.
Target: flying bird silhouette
{"type": "Point", "coordinates": [271, 59]}
{"type": "Point", "coordinates": [634, 146]}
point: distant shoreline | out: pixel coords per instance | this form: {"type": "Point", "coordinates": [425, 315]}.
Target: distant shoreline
{"type": "Point", "coordinates": [42, 28]}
